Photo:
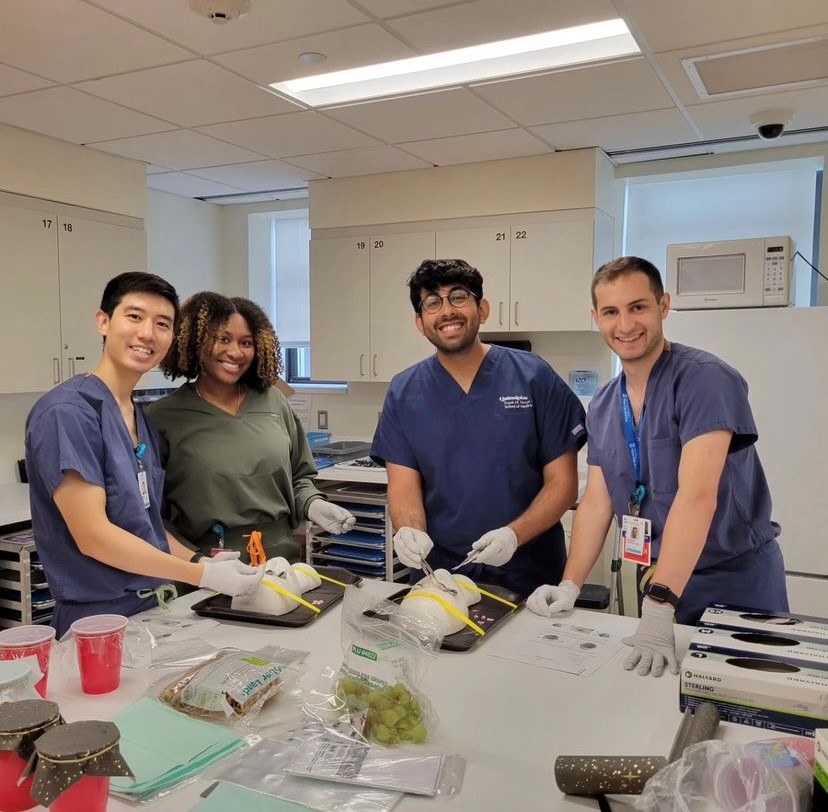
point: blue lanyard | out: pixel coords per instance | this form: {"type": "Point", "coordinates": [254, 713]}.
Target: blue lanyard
{"type": "Point", "coordinates": [140, 450]}
{"type": "Point", "coordinates": [633, 437]}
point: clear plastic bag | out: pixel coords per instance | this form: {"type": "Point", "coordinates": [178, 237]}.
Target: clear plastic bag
{"type": "Point", "coordinates": [380, 692]}
{"type": "Point", "coordinates": [717, 776]}
{"type": "Point", "coordinates": [245, 688]}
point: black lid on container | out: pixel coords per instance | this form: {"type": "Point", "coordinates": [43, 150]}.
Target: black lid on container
{"type": "Point", "coordinates": [67, 753]}
{"type": "Point", "coordinates": [25, 715]}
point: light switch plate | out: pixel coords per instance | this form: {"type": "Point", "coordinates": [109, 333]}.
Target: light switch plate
{"type": "Point", "coordinates": [322, 419]}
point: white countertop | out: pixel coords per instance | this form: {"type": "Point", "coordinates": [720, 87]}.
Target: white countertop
{"type": "Point", "coordinates": [508, 720]}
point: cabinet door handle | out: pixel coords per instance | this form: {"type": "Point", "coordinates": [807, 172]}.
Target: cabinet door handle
{"type": "Point", "coordinates": [374, 366]}
{"type": "Point", "coordinates": [516, 314]}
{"type": "Point", "coordinates": [71, 367]}
{"type": "Point", "coordinates": [500, 314]}
{"type": "Point", "coordinates": [55, 370]}
{"type": "Point", "coordinates": [362, 365]}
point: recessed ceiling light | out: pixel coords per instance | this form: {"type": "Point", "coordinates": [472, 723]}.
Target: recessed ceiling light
{"type": "Point", "coordinates": [553, 49]}
{"type": "Point", "coordinates": [312, 58]}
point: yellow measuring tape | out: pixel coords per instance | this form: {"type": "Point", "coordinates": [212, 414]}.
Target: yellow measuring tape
{"type": "Point", "coordinates": [311, 571]}
{"type": "Point", "coordinates": [288, 594]}
{"type": "Point", "coordinates": [448, 607]}
{"type": "Point", "coordinates": [488, 594]}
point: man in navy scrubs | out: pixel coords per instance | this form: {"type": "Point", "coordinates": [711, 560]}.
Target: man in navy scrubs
{"type": "Point", "coordinates": [480, 443]}
{"type": "Point", "coordinates": [672, 455]}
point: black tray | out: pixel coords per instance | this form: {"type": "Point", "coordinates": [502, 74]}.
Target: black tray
{"type": "Point", "coordinates": [480, 613]}
{"type": "Point", "coordinates": [218, 606]}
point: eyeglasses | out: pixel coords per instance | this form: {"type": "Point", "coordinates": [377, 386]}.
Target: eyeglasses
{"type": "Point", "coordinates": [458, 297]}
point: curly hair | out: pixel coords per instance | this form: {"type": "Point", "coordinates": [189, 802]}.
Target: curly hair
{"type": "Point", "coordinates": [202, 317]}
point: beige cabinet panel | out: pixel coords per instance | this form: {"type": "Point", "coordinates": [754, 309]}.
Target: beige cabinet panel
{"type": "Point", "coordinates": [339, 304]}
{"type": "Point", "coordinates": [396, 343]}
{"type": "Point", "coordinates": [487, 249]}
{"type": "Point", "coordinates": [90, 254]}
{"type": "Point", "coordinates": [30, 306]}
{"type": "Point", "coordinates": [552, 267]}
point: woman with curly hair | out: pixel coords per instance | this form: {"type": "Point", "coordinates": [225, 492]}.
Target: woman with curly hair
{"type": "Point", "coordinates": [236, 457]}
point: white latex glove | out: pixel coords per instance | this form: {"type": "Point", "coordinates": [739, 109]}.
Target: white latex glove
{"type": "Point", "coordinates": [548, 600]}
{"type": "Point", "coordinates": [230, 576]}
{"type": "Point", "coordinates": [412, 546]}
{"type": "Point", "coordinates": [331, 517]}
{"type": "Point", "coordinates": [224, 555]}
{"type": "Point", "coordinates": [496, 547]}
{"type": "Point", "coordinates": [654, 643]}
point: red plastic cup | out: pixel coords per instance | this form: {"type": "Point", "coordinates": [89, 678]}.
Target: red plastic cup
{"type": "Point", "coordinates": [99, 640]}
{"type": "Point", "coordinates": [89, 794]}
{"type": "Point", "coordinates": [29, 641]}
{"type": "Point", "coordinates": [12, 797]}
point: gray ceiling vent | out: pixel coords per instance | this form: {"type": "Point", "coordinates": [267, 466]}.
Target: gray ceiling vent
{"type": "Point", "coordinates": [768, 67]}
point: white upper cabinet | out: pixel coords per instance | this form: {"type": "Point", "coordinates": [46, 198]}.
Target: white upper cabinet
{"type": "Point", "coordinates": [362, 321]}
{"type": "Point", "coordinates": [30, 304]}
{"type": "Point", "coordinates": [487, 249]}
{"type": "Point", "coordinates": [91, 253]}
{"type": "Point", "coordinates": [56, 266]}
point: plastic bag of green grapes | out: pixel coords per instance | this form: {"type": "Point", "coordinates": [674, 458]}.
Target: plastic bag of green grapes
{"type": "Point", "coordinates": [384, 678]}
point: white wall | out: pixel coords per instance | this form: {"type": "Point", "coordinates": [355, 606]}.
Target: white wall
{"type": "Point", "coordinates": [772, 201]}
{"type": "Point", "coordinates": [184, 242]}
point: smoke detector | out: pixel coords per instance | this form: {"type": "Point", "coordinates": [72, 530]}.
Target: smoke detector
{"type": "Point", "coordinates": [220, 11]}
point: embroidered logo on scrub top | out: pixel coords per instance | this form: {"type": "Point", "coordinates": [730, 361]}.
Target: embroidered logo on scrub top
{"type": "Point", "coordinates": [516, 401]}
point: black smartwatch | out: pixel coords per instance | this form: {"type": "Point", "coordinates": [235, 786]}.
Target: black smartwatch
{"type": "Point", "coordinates": [662, 594]}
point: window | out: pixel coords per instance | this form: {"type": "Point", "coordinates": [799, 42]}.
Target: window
{"type": "Point", "coordinates": [279, 280]}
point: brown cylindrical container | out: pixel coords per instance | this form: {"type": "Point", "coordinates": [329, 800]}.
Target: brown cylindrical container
{"type": "Point", "coordinates": [74, 763]}
{"type": "Point", "coordinates": [600, 775]}
{"type": "Point", "coordinates": [21, 724]}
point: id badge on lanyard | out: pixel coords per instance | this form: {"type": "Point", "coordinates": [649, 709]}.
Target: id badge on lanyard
{"type": "Point", "coordinates": [636, 531]}
{"type": "Point", "coordinates": [143, 486]}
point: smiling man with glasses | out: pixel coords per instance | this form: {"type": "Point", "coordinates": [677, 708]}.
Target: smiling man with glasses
{"type": "Point", "coordinates": [480, 443]}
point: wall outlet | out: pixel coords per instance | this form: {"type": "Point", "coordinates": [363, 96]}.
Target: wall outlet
{"type": "Point", "coordinates": [322, 420]}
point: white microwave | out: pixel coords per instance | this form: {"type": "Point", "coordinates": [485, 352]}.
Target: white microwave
{"type": "Point", "coordinates": [755, 272]}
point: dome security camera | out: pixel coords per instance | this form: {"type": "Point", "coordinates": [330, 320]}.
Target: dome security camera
{"type": "Point", "coordinates": [770, 124]}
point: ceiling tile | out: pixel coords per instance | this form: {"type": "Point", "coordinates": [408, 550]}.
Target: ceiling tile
{"type": "Point", "coordinates": [630, 86]}
{"type": "Point", "coordinates": [68, 40]}
{"type": "Point", "coordinates": [258, 175]}
{"type": "Point", "coordinates": [670, 63]}
{"type": "Point", "coordinates": [18, 81]}
{"type": "Point", "coordinates": [397, 8]}
{"type": "Point", "coordinates": [667, 26]}
{"type": "Point", "coordinates": [180, 183]}
{"type": "Point", "coordinates": [428, 115]}
{"type": "Point", "coordinates": [493, 20]}
{"type": "Point", "coordinates": [619, 132]}
{"type": "Point", "coordinates": [154, 170]}
{"type": "Point", "coordinates": [723, 119]}
{"type": "Point", "coordinates": [290, 134]}
{"type": "Point", "coordinates": [268, 21]}
{"type": "Point", "coordinates": [345, 49]}
{"type": "Point", "coordinates": [478, 147]}
{"type": "Point", "coordinates": [365, 161]}
{"type": "Point", "coordinates": [82, 118]}
{"type": "Point", "coordinates": [194, 93]}
{"type": "Point", "coordinates": [181, 149]}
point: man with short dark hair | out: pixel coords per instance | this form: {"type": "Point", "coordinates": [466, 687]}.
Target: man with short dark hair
{"type": "Point", "coordinates": [672, 455]}
{"type": "Point", "coordinates": [95, 480]}
{"type": "Point", "coordinates": [480, 443]}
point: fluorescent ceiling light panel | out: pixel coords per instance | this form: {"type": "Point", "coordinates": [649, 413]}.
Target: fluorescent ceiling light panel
{"type": "Point", "coordinates": [553, 49]}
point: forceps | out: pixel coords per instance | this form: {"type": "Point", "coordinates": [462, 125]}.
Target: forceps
{"type": "Point", "coordinates": [426, 567]}
{"type": "Point", "coordinates": [469, 559]}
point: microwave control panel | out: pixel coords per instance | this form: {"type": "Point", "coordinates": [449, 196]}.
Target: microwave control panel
{"type": "Point", "coordinates": [777, 281]}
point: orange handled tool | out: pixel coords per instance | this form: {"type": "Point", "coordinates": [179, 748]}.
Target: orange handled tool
{"type": "Point", "coordinates": [255, 549]}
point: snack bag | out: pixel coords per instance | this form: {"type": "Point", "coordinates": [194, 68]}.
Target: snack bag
{"type": "Point", "coordinates": [382, 682]}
